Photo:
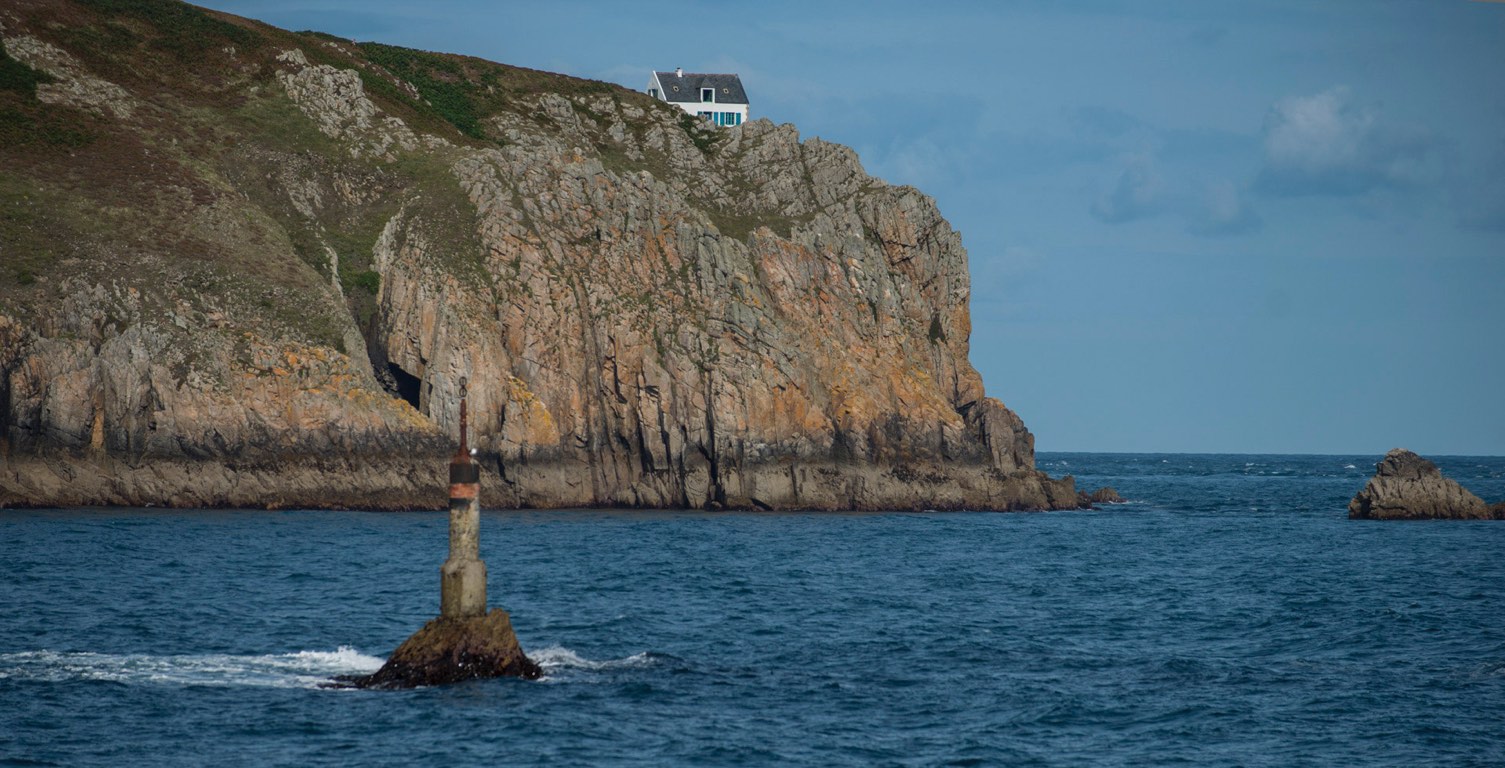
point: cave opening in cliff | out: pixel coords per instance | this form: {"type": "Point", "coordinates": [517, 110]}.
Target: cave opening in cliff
{"type": "Point", "coordinates": [408, 385]}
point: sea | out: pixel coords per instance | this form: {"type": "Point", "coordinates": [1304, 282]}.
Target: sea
{"type": "Point", "coordinates": [1228, 614]}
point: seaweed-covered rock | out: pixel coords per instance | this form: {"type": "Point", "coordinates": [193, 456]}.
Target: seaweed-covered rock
{"type": "Point", "coordinates": [1406, 486]}
{"type": "Point", "coordinates": [452, 650]}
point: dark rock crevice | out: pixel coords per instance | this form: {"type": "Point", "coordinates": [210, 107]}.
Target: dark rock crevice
{"type": "Point", "coordinates": [405, 385]}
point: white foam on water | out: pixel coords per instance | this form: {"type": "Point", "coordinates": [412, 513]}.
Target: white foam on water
{"type": "Point", "coordinates": [1349, 466]}
{"type": "Point", "coordinates": [303, 669]}
{"type": "Point", "coordinates": [555, 658]}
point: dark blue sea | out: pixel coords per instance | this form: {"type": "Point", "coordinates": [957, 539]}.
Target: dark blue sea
{"type": "Point", "coordinates": [1229, 615]}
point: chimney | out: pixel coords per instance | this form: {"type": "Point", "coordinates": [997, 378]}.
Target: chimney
{"type": "Point", "coordinates": [679, 72]}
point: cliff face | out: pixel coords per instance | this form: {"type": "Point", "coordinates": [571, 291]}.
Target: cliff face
{"type": "Point", "coordinates": [245, 266]}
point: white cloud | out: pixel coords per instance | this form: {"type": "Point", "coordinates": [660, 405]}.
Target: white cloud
{"type": "Point", "coordinates": [1136, 194]}
{"type": "Point", "coordinates": [1222, 210]}
{"type": "Point", "coordinates": [922, 162]}
{"type": "Point", "coordinates": [1325, 144]}
{"type": "Point", "coordinates": [1142, 192]}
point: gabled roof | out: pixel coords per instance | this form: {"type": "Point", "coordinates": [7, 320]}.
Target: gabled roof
{"type": "Point", "coordinates": [728, 87]}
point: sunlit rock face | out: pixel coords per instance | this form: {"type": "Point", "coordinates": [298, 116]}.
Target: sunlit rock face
{"type": "Point", "coordinates": [1406, 486]}
{"type": "Point", "coordinates": [317, 240]}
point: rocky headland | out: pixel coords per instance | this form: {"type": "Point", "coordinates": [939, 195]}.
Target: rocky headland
{"type": "Point", "coordinates": [247, 267]}
{"type": "Point", "coordinates": [1406, 486]}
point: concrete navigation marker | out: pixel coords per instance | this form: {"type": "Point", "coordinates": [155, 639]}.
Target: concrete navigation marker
{"type": "Point", "coordinates": [466, 642]}
{"type": "Point", "coordinates": [462, 580]}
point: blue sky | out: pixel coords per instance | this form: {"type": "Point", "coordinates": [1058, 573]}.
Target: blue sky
{"type": "Point", "coordinates": [1193, 226]}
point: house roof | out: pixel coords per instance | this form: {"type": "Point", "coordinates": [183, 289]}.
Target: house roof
{"type": "Point", "coordinates": [728, 87]}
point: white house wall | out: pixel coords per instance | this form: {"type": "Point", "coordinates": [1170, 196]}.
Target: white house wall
{"type": "Point", "coordinates": [706, 106]}
{"type": "Point", "coordinates": [693, 107]}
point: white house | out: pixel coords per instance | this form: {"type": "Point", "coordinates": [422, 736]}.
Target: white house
{"type": "Point", "coordinates": [717, 98]}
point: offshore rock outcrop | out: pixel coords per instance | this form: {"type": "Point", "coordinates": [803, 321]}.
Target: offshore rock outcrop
{"type": "Point", "coordinates": [310, 242]}
{"type": "Point", "coordinates": [1406, 486]}
{"type": "Point", "coordinates": [1103, 495]}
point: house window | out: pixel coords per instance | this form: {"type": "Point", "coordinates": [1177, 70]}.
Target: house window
{"type": "Point", "coordinates": [707, 94]}
{"type": "Point", "coordinates": [653, 92]}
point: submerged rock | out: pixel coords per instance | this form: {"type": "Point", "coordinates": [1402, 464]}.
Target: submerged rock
{"type": "Point", "coordinates": [1406, 486]}
{"type": "Point", "coordinates": [451, 650]}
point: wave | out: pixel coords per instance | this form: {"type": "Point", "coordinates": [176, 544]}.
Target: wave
{"type": "Point", "coordinates": [303, 669]}
{"type": "Point", "coordinates": [558, 661]}
{"type": "Point", "coordinates": [558, 657]}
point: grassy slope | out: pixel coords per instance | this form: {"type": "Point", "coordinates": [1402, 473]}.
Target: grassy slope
{"type": "Point", "coordinates": [190, 183]}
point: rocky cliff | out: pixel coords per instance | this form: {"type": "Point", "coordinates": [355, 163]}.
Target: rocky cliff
{"type": "Point", "coordinates": [243, 266]}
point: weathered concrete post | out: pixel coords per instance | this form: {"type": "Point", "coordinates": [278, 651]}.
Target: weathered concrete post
{"type": "Point", "coordinates": [462, 579]}
{"type": "Point", "coordinates": [466, 641]}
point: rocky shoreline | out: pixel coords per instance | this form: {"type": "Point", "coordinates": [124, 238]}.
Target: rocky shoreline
{"type": "Point", "coordinates": [409, 483]}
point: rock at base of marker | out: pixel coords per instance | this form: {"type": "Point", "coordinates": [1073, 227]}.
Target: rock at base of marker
{"type": "Point", "coordinates": [452, 650]}
{"type": "Point", "coordinates": [1408, 487]}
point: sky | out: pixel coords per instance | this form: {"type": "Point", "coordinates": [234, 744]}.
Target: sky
{"type": "Point", "coordinates": [1242, 227]}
